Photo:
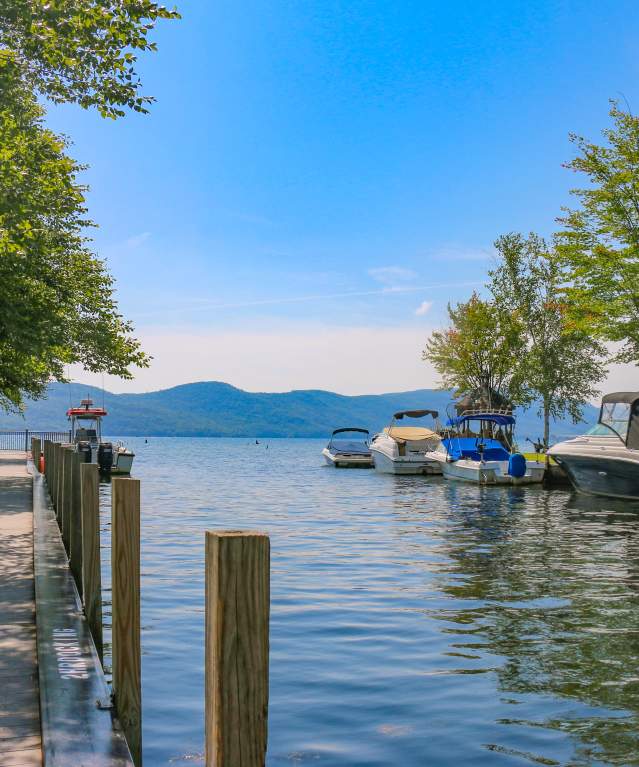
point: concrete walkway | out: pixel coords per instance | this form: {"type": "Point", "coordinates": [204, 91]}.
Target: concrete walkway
{"type": "Point", "coordinates": [20, 739]}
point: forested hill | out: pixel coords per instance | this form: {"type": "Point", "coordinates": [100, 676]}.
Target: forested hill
{"type": "Point", "coordinates": [217, 409]}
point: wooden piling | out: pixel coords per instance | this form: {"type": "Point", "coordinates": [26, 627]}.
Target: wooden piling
{"type": "Point", "coordinates": [59, 483]}
{"type": "Point", "coordinates": [67, 495]}
{"type": "Point", "coordinates": [125, 577]}
{"type": "Point", "coordinates": [91, 577]}
{"type": "Point", "coordinates": [237, 648]}
{"type": "Point", "coordinates": [75, 522]}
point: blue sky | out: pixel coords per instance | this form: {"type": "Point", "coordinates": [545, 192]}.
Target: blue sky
{"type": "Point", "coordinates": [318, 179]}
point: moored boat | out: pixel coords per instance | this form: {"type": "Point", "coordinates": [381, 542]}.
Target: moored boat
{"type": "Point", "coordinates": [350, 450]}
{"type": "Point", "coordinates": [605, 460]}
{"type": "Point", "coordinates": [86, 436]}
{"type": "Point", "coordinates": [479, 447]}
{"type": "Point", "coordinates": [404, 449]}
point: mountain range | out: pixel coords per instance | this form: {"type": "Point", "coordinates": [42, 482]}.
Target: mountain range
{"type": "Point", "coordinates": [215, 409]}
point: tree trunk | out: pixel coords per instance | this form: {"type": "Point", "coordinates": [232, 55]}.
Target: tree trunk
{"type": "Point", "coordinates": [546, 428]}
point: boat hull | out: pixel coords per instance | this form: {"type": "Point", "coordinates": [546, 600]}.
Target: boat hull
{"type": "Point", "coordinates": [491, 473]}
{"type": "Point", "coordinates": [347, 460]}
{"type": "Point", "coordinates": [601, 475]}
{"type": "Point", "coordinates": [386, 464]}
{"type": "Point", "coordinates": [122, 463]}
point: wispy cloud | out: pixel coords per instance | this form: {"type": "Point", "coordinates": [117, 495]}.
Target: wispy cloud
{"type": "Point", "coordinates": [392, 276]}
{"type": "Point", "coordinates": [423, 308]}
{"type": "Point", "coordinates": [137, 240]}
{"type": "Point", "coordinates": [461, 253]}
{"type": "Point", "coordinates": [203, 304]}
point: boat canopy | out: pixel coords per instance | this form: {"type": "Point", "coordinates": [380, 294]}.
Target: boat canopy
{"type": "Point", "coordinates": [86, 412]}
{"type": "Point", "coordinates": [415, 414]}
{"type": "Point", "coordinates": [410, 433]}
{"type": "Point", "coordinates": [501, 419]}
{"type": "Point", "coordinates": [620, 413]}
{"type": "Point", "coordinates": [362, 431]}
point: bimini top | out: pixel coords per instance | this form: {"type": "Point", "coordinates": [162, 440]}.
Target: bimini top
{"type": "Point", "coordinates": [625, 397]}
{"type": "Point", "coordinates": [501, 419]}
{"type": "Point", "coordinates": [86, 410]}
{"type": "Point", "coordinates": [362, 431]}
{"type": "Point", "coordinates": [411, 433]}
{"type": "Point", "coordinates": [415, 414]}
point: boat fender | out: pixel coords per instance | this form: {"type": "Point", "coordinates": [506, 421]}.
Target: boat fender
{"type": "Point", "coordinates": [517, 465]}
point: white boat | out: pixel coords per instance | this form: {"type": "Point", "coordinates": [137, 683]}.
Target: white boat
{"type": "Point", "coordinates": [350, 451]}
{"type": "Point", "coordinates": [605, 461]}
{"type": "Point", "coordinates": [86, 436]}
{"type": "Point", "coordinates": [479, 448]}
{"type": "Point", "coordinates": [405, 449]}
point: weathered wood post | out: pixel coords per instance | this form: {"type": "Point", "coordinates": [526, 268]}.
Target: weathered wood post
{"type": "Point", "coordinates": [67, 495]}
{"type": "Point", "coordinates": [91, 577]}
{"type": "Point", "coordinates": [59, 466]}
{"type": "Point", "coordinates": [75, 522]}
{"type": "Point", "coordinates": [125, 585]}
{"type": "Point", "coordinates": [45, 449]}
{"type": "Point", "coordinates": [237, 648]}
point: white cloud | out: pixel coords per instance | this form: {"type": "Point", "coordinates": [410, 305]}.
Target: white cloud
{"type": "Point", "coordinates": [423, 308]}
{"type": "Point", "coordinates": [137, 240]}
{"type": "Point", "coordinates": [391, 276]}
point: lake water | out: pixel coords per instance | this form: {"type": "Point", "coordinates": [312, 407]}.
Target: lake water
{"type": "Point", "coordinates": [414, 621]}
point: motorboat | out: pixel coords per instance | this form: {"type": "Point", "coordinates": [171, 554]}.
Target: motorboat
{"type": "Point", "coordinates": [479, 447]}
{"type": "Point", "coordinates": [403, 449]}
{"type": "Point", "coordinates": [350, 450]}
{"type": "Point", "coordinates": [605, 460]}
{"type": "Point", "coordinates": [86, 437]}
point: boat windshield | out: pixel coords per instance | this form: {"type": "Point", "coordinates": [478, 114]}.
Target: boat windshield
{"type": "Point", "coordinates": [615, 417]}
{"type": "Point", "coordinates": [599, 430]}
{"type": "Point", "coordinates": [349, 440]}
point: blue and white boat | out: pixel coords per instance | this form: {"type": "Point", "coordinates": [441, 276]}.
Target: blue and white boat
{"type": "Point", "coordinates": [350, 450]}
{"type": "Point", "coordinates": [479, 447]}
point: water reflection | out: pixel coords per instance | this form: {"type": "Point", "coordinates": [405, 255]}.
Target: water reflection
{"type": "Point", "coordinates": [413, 621]}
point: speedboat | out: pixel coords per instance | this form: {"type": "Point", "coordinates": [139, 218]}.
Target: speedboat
{"type": "Point", "coordinates": [350, 451]}
{"type": "Point", "coordinates": [404, 449]}
{"type": "Point", "coordinates": [479, 448]}
{"type": "Point", "coordinates": [605, 460]}
{"type": "Point", "coordinates": [86, 436]}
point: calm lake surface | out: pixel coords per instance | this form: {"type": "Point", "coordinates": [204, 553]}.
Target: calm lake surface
{"type": "Point", "coordinates": [414, 621]}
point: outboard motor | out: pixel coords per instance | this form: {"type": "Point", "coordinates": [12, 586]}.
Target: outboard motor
{"type": "Point", "coordinates": [105, 457]}
{"type": "Point", "coordinates": [84, 449]}
{"type": "Point", "coordinates": [517, 465]}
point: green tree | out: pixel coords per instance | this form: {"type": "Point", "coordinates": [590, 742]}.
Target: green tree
{"type": "Point", "coordinates": [558, 364]}
{"type": "Point", "coordinates": [82, 51]}
{"type": "Point", "coordinates": [56, 298]}
{"type": "Point", "coordinates": [600, 241]}
{"type": "Point", "coordinates": [478, 351]}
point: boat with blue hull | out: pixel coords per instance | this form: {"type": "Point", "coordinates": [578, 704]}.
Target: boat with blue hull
{"type": "Point", "coordinates": [605, 460]}
{"type": "Point", "coordinates": [479, 448]}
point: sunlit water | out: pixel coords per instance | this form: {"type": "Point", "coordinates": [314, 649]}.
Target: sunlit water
{"type": "Point", "coordinates": [413, 621]}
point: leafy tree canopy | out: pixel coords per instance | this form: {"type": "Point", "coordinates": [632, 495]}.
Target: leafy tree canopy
{"type": "Point", "coordinates": [600, 241]}
{"type": "Point", "coordinates": [558, 364]}
{"type": "Point", "coordinates": [82, 51]}
{"type": "Point", "coordinates": [56, 298]}
{"type": "Point", "coordinates": [478, 350]}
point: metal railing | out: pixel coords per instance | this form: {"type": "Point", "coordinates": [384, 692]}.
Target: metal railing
{"type": "Point", "coordinates": [21, 440]}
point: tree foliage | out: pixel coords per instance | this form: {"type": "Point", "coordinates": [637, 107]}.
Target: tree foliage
{"type": "Point", "coordinates": [558, 364]}
{"type": "Point", "coordinates": [56, 298]}
{"type": "Point", "coordinates": [600, 241]}
{"type": "Point", "coordinates": [478, 350]}
{"type": "Point", "coordinates": [82, 51]}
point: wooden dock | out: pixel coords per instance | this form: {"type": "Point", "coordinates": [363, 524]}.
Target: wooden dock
{"type": "Point", "coordinates": [20, 734]}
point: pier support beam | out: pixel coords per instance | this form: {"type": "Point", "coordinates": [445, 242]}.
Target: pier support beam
{"type": "Point", "coordinates": [91, 577]}
{"type": "Point", "coordinates": [75, 522]}
{"type": "Point", "coordinates": [237, 648]}
{"type": "Point", "coordinates": [125, 576]}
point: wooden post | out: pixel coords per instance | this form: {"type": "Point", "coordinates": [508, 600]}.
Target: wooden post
{"type": "Point", "coordinates": [125, 635]}
{"type": "Point", "coordinates": [67, 494]}
{"type": "Point", "coordinates": [237, 647]}
{"type": "Point", "coordinates": [36, 454]}
{"type": "Point", "coordinates": [91, 577]}
{"type": "Point", "coordinates": [75, 522]}
{"type": "Point", "coordinates": [45, 450]}
{"type": "Point", "coordinates": [59, 466]}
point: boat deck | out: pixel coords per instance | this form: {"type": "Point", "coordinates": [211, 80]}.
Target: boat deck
{"type": "Point", "coordinates": [20, 734]}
